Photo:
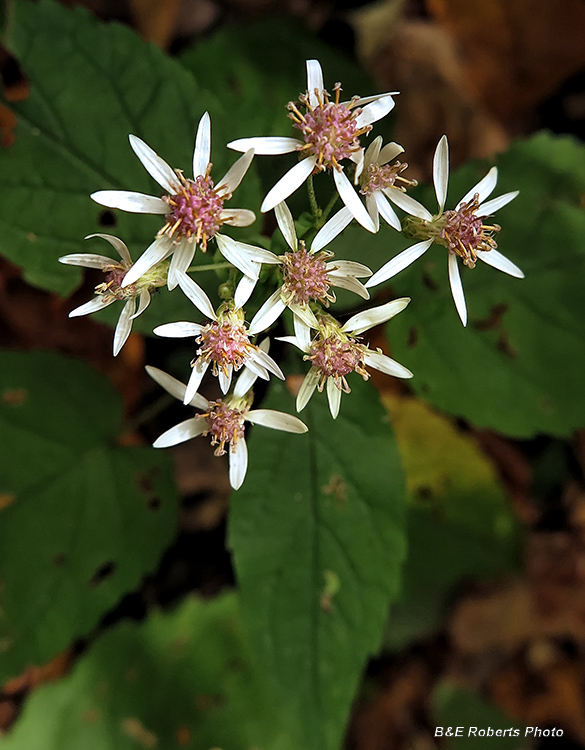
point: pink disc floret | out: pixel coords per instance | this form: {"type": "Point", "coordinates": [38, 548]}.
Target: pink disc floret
{"type": "Point", "coordinates": [305, 277]}
{"type": "Point", "coordinates": [225, 425]}
{"type": "Point", "coordinates": [195, 211]}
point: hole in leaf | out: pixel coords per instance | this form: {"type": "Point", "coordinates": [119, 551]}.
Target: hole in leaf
{"type": "Point", "coordinates": [412, 340]}
{"type": "Point", "coordinates": [494, 319]}
{"type": "Point", "coordinates": [145, 484]}
{"type": "Point", "coordinates": [429, 282]}
{"type": "Point", "coordinates": [102, 573]}
{"type": "Point", "coordinates": [107, 218]}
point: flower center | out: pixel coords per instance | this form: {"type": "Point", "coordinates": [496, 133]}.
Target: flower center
{"type": "Point", "coordinates": [335, 356]}
{"type": "Point", "coordinates": [226, 425]}
{"type": "Point", "coordinates": [225, 342]}
{"type": "Point", "coordinates": [463, 232]}
{"type": "Point", "coordinates": [330, 129]}
{"type": "Point", "coordinates": [195, 211]}
{"type": "Point", "coordinates": [305, 277]}
{"type": "Point", "coordinates": [112, 289]}
{"type": "Point", "coordinates": [380, 177]}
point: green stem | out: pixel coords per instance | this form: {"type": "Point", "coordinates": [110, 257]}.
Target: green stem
{"type": "Point", "coordinates": [313, 198]}
{"type": "Point", "coordinates": [209, 267]}
{"type": "Point", "coordinates": [327, 211]}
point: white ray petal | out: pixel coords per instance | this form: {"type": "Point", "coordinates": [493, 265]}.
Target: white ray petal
{"type": "Point", "coordinates": [408, 204]}
{"type": "Point", "coordinates": [457, 288]}
{"type": "Point", "coordinates": [225, 379]}
{"type": "Point", "coordinates": [372, 152]}
{"type": "Point", "coordinates": [314, 82]}
{"type": "Point", "coordinates": [155, 166]}
{"type": "Point", "coordinates": [286, 224]}
{"type": "Point", "coordinates": [374, 111]}
{"type": "Point", "coordinates": [144, 302]}
{"type": "Point", "coordinates": [441, 171]}
{"type": "Point", "coordinates": [180, 330]}
{"type": "Point", "coordinates": [87, 260]}
{"type": "Point", "coordinates": [389, 152]}
{"type": "Point", "coordinates": [276, 420]}
{"type": "Point", "coordinates": [197, 372]}
{"type": "Point", "coordinates": [244, 290]}
{"type": "Point", "coordinates": [347, 268]}
{"type": "Point", "coordinates": [266, 146]}
{"type": "Point", "coordinates": [490, 207]}
{"type": "Point", "coordinates": [136, 203]}
{"type": "Point", "coordinates": [358, 158]}
{"type": "Point", "coordinates": [351, 284]}
{"type": "Point", "coordinates": [484, 188]}
{"type": "Point", "coordinates": [195, 293]}
{"type": "Point", "coordinates": [94, 304]}
{"type": "Point", "coordinates": [386, 210]}
{"type": "Point", "coordinates": [304, 313]}
{"type": "Point", "coordinates": [238, 254]}
{"type": "Point", "coordinates": [254, 253]}
{"type": "Point", "coordinates": [331, 229]}
{"type": "Point", "coordinates": [238, 217]}
{"type": "Point", "coordinates": [399, 263]}
{"type": "Point", "coordinates": [372, 207]}
{"type": "Point", "coordinates": [369, 318]}
{"type": "Point", "coordinates": [334, 397]}
{"type": "Point", "coordinates": [287, 185]}
{"type": "Point", "coordinates": [168, 382]}
{"type": "Point", "coordinates": [154, 253]}
{"type": "Point", "coordinates": [387, 365]}
{"type": "Point", "coordinates": [116, 243]}
{"type": "Point", "coordinates": [268, 313]}
{"type": "Point", "coordinates": [256, 369]}
{"type": "Point", "coordinates": [238, 458]}
{"type": "Point", "coordinates": [497, 260]}
{"type": "Point", "coordinates": [367, 99]}
{"type": "Point", "coordinates": [202, 151]}
{"type": "Point", "coordinates": [245, 381]}
{"type": "Point", "coordinates": [181, 432]}
{"type": "Point", "coordinates": [302, 333]}
{"type": "Point", "coordinates": [124, 325]}
{"type": "Point", "coordinates": [235, 173]}
{"type": "Point", "coordinates": [180, 261]}
{"type": "Point", "coordinates": [307, 388]}
{"type": "Point", "coordinates": [351, 199]}
{"type": "Point", "coordinates": [266, 361]}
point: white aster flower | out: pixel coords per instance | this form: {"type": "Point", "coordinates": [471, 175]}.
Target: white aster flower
{"type": "Point", "coordinates": [193, 209]}
{"type": "Point", "coordinates": [111, 290]}
{"type": "Point", "coordinates": [224, 420]}
{"type": "Point", "coordinates": [336, 351]}
{"type": "Point", "coordinates": [330, 133]}
{"type": "Point", "coordinates": [461, 231]}
{"type": "Point", "coordinates": [224, 343]}
{"type": "Point", "coordinates": [308, 276]}
{"type": "Point", "coordinates": [376, 179]}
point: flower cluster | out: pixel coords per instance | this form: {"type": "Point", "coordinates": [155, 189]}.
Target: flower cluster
{"type": "Point", "coordinates": [330, 136]}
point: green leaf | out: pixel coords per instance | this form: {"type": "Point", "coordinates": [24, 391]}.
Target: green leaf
{"type": "Point", "coordinates": [83, 520]}
{"type": "Point", "coordinates": [517, 367]}
{"type": "Point", "coordinates": [317, 533]}
{"type": "Point", "coordinates": [460, 525]}
{"type": "Point", "coordinates": [183, 679]}
{"type": "Point", "coordinates": [88, 92]}
{"type": "Point", "coordinates": [478, 720]}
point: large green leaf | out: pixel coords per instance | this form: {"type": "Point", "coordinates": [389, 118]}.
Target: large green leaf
{"type": "Point", "coordinates": [517, 367]}
{"type": "Point", "coordinates": [83, 519]}
{"type": "Point", "coordinates": [317, 533]}
{"type": "Point", "coordinates": [179, 680]}
{"type": "Point", "coordinates": [91, 84]}
{"type": "Point", "coordinates": [460, 524]}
